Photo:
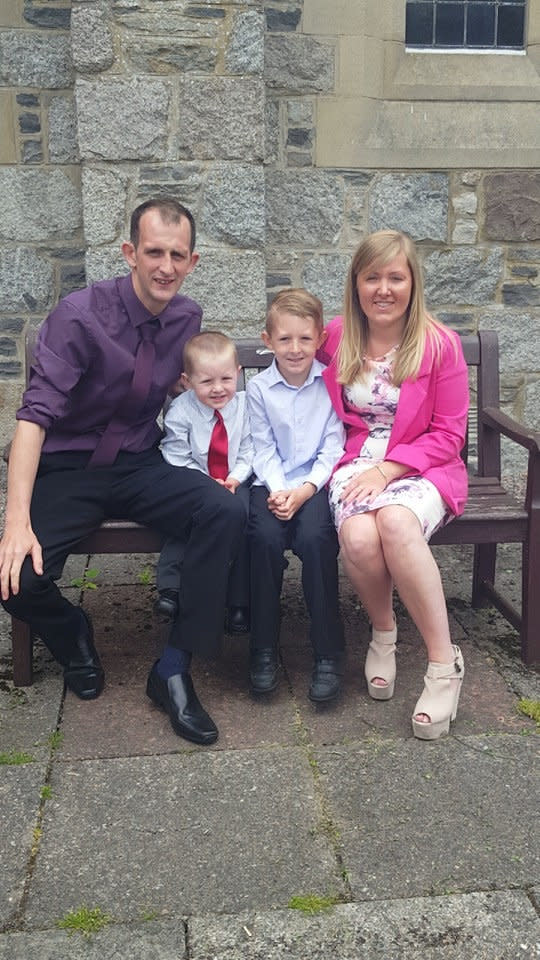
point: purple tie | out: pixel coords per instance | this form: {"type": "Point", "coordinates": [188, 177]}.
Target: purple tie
{"type": "Point", "coordinates": [218, 451]}
{"type": "Point", "coordinates": [129, 407]}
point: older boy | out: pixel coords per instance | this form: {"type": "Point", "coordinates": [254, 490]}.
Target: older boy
{"type": "Point", "coordinates": [297, 441]}
{"type": "Point", "coordinates": [210, 408]}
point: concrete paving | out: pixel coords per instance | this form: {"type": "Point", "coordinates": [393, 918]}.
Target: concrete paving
{"type": "Point", "coordinates": [420, 851]}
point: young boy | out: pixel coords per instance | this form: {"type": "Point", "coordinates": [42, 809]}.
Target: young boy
{"type": "Point", "coordinates": [297, 440]}
{"type": "Point", "coordinates": [207, 429]}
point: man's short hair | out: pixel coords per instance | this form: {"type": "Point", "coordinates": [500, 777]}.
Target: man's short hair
{"type": "Point", "coordinates": [299, 302]}
{"type": "Point", "coordinates": [170, 211]}
{"type": "Point", "coordinates": [210, 342]}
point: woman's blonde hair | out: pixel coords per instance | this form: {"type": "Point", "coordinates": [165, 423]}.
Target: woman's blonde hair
{"type": "Point", "coordinates": [378, 249]}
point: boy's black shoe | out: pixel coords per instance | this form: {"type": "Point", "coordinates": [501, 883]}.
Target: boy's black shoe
{"type": "Point", "coordinates": [166, 605]}
{"type": "Point", "coordinates": [238, 620]}
{"type": "Point", "coordinates": [263, 670]}
{"type": "Point", "coordinates": [325, 680]}
{"type": "Point", "coordinates": [177, 697]}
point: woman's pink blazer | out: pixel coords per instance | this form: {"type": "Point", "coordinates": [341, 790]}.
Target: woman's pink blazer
{"type": "Point", "coordinates": [431, 417]}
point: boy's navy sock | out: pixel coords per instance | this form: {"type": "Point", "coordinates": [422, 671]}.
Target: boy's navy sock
{"type": "Point", "coordinates": [173, 661]}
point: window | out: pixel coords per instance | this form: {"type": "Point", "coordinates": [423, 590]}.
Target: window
{"type": "Point", "coordinates": [462, 24]}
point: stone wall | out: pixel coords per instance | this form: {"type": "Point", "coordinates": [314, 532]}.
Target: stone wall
{"type": "Point", "coordinates": [221, 103]}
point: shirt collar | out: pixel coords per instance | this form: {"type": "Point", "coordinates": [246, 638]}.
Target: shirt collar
{"type": "Point", "coordinates": [275, 376]}
{"type": "Point", "coordinates": [207, 412]}
{"type": "Point", "coordinates": [136, 310]}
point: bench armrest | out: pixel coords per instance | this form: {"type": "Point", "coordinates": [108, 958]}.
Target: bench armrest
{"type": "Point", "coordinates": [495, 419]}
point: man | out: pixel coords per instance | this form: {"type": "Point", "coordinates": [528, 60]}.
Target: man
{"type": "Point", "coordinates": [85, 448]}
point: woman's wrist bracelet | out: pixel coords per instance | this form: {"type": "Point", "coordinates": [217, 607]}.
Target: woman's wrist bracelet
{"type": "Point", "coordinates": [381, 471]}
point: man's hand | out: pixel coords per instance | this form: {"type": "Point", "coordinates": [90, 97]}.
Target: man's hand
{"type": "Point", "coordinates": [285, 503]}
{"type": "Point", "coordinates": [18, 542]}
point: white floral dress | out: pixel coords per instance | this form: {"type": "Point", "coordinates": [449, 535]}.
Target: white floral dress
{"type": "Point", "coordinates": [376, 398]}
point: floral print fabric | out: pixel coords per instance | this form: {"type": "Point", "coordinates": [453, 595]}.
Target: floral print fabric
{"type": "Point", "coordinates": [375, 398]}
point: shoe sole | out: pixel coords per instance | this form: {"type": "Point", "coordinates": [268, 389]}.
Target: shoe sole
{"type": "Point", "coordinates": [327, 699]}
{"type": "Point", "coordinates": [180, 730]}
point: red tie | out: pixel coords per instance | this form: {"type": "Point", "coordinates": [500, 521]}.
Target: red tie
{"type": "Point", "coordinates": [218, 451]}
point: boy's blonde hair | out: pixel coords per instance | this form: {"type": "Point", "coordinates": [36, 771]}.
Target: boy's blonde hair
{"type": "Point", "coordinates": [299, 302]}
{"type": "Point", "coordinates": [210, 342]}
{"type": "Point", "coordinates": [377, 250]}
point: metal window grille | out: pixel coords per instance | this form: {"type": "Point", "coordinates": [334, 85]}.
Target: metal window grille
{"type": "Point", "coordinates": [466, 24]}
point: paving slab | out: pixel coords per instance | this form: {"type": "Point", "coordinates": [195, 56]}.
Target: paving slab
{"type": "Point", "coordinates": [479, 926]}
{"type": "Point", "coordinates": [153, 940]}
{"type": "Point", "coordinates": [214, 831]}
{"type": "Point", "coordinates": [423, 818]}
{"type": "Point", "coordinates": [29, 715]}
{"type": "Point", "coordinates": [124, 722]}
{"type": "Point", "coordinates": [19, 807]}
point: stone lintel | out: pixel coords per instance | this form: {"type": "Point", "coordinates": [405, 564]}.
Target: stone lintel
{"type": "Point", "coordinates": [356, 132]}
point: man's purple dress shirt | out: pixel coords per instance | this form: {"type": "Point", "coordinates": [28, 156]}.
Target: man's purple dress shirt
{"type": "Point", "coordinates": [85, 357]}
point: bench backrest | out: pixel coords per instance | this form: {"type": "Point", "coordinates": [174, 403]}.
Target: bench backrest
{"type": "Point", "coordinates": [481, 351]}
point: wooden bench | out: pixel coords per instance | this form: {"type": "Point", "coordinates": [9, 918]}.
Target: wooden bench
{"type": "Point", "coordinates": [492, 515]}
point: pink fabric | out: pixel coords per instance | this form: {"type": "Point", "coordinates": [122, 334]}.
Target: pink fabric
{"type": "Point", "coordinates": [431, 418]}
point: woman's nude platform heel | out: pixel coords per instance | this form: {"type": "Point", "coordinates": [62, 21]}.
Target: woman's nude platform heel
{"type": "Point", "coordinates": [439, 698]}
{"type": "Point", "coordinates": [381, 663]}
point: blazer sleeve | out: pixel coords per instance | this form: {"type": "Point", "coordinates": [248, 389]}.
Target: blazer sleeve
{"type": "Point", "coordinates": [436, 435]}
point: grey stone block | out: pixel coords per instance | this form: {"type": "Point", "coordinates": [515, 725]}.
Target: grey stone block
{"type": "Point", "coordinates": [221, 118]}
{"type": "Point", "coordinates": [35, 59]}
{"type": "Point", "coordinates": [415, 203]}
{"type": "Point", "coordinates": [512, 201]}
{"type": "Point", "coordinates": [518, 354]}
{"type": "Point", "coordinates": [245, 50]}
{"type": "Point", "coordinates": [91, 38]}
{"type": "Point", "coordinates": [26, 281]}
{"type": "Point", "coordinates": [463, 275]}
{"type": "Point", "coordinates": [38, 205]}
{"type": "Point", "coordinates": [123, 119]}
{"type": "Point", "coordinates": [105, 262]}
{"type": "Point", "coordinates": [233, 209]}
{"type": "Point", "coordinates": [231, 288]}
{"type": "Point", "coordinates": [325, 275]}
{"type": "Point", "coordinates": [480, 926]}
{"type": "Point", "coordinates": [170, 55]}
{"type": "Point", "coordinates": [103, 193]}
{"type": "Point", "coordinates": [402, 797]}
{"type": "Point", "coordinates": [304, 207]}
{"type": "Point", "coordinates": [298, 64]}
{"type": "Point", "coordinates": [148, 833]}
{"type": "Point", "coordinates": [63, 130]}
{"type": "Point", "coordinates": [19, 804]}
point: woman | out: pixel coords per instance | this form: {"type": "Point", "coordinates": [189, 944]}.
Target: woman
{"type": "Point", "coordinates": [398, 380]}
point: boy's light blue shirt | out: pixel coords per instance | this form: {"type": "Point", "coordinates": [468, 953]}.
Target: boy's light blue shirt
{"type": "Point", "coordinates": [188, 427]}
{"type": "Point", "coordinates": [297, 436]}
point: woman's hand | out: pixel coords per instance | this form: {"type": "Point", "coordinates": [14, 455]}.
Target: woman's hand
{"type": "Point", "coordinates": [365, 486]}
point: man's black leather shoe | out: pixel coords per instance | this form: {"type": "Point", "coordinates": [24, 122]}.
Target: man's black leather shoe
{"type": "Point", "coordinates": [238, 620]}
{"type": "Point", "coordinates": [263, 670]}
{"type": "Point", "coordinates": [325, 681]}
{"type": "Point", "coordinates": [178, 698]}
{"type": "Point", "coordinates": [166, 605]}
{"type": "Point", "coordinates": [83, 672]}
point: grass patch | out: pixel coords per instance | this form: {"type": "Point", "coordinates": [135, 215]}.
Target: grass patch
{"type": "Point", "coordinates": [46, 792]}
{"type": "Point", "coordinates": [311, 903]}
{"type": "Point", "coordinates": [55, 739]}
{"type": "Point", "coordinates": [15, 758]}
{"type": "Point", "coordinates": [84, 921]}
{"type": "Point", "coordinates": [88, 579]}
{"type": "Point", "coordinates": [531, 708]}
{"type": "Point", "coordinates": [146, 576]}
